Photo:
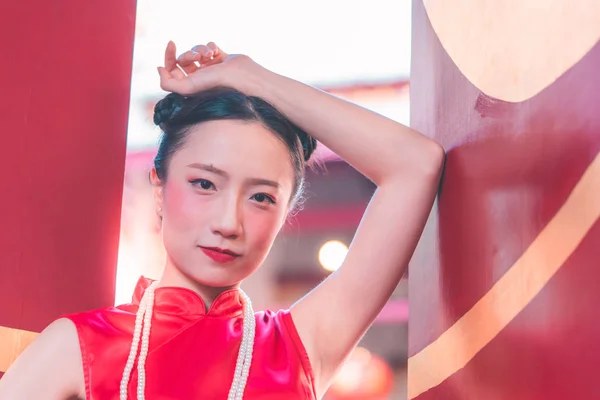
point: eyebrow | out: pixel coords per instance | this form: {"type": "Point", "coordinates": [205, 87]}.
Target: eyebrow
{"type": "Point", "coordinates": [209, 168]}
{"type": "Point", "coordinates": [250, 181]}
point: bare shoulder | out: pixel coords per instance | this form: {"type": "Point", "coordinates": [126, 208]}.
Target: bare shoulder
{"type": "Point", "coordinates": [49, 368]}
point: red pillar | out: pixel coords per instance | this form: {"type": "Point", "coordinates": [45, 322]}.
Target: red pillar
{"type": "Point", "coordinates": [504, 285]}
{"type": "Point", "coordinates": [65, 79]}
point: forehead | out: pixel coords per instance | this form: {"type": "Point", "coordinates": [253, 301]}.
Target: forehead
{"type": "Point", "coordinates": [244, 149]}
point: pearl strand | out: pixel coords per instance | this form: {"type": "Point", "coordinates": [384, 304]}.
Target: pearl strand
{"type": "Point", "coordinates": [145, 345]}
{"type": "Point", "coordinates": [244, 360]}
{"type": "Point", "coordinates": [143, 322]}
{"type": "Point", "coordinates": [249, 331]}
{"type": "Point", "coordinates": [134, 345]}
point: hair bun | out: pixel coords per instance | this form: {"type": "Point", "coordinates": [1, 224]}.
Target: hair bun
{"type": "Point", "coordinates": [167, 108]}
{"type": "Point", "coordinates": [309, 144]}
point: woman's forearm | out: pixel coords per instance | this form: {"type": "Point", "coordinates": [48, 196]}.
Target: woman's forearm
{"type": "Point", "coordinates": [378, 147]}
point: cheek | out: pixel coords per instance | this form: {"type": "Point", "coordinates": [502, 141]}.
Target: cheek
{"type": "Point", "coordinates": [180, 207]}
{"type": "Point", "coordinates": [262, 228]}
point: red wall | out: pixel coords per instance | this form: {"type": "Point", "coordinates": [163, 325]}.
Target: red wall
{"type": "Point", "coordinates": [504, 285]}
{"type": "Point", "coordinates": [65, 79]}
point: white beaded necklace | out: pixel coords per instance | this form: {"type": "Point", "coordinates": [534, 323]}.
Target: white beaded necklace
{"type": "Point", "coordinates": [143, 321]}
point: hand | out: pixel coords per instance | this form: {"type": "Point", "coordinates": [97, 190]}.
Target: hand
{"type": "Point", "coordinates": [201, 68]}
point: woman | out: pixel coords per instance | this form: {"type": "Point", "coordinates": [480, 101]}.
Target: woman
{"type": "Point", "coordinates": [229, 169]}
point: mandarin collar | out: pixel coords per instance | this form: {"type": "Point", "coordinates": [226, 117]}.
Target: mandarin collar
{"type": "Point", "coordinates": [183, 301]}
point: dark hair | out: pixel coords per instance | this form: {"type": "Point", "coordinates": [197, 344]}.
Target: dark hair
{"type": "Point", "coordinates": [176, 114]}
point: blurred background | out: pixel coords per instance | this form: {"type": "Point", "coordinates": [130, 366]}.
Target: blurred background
{"type": "Point", "coordinates": [357, 51]}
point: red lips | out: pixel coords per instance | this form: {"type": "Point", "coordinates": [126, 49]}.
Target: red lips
{"type": "Point", "coordinates": [220, 255]}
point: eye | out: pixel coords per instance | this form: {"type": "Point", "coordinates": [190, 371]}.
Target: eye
{"type": "Point", "coordinates": [203, 184]}
{"type": "Point", "coordinates": [262, 198]}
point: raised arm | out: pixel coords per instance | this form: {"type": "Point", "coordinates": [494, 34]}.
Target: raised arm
{"type": "Point", "coordinates": [404, 165]}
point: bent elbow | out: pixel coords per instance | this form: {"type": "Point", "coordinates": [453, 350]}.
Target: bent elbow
{"type": "Point", "coordinates": [433, 159]}
{"type": "Point", "coordinates": [425, 162]}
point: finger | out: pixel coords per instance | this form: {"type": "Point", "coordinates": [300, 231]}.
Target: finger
{"type": "Point", "coordinates": [170, 56]}
{"type": "Point", "coordinates": [188, 61]}
{"type": "Point", "coordinates": [165, 77]}
{"type": "Point", "coordinates": [188, 69]}
{"type": "Point", "coordinates": [218, 53]}
{"type": "Point", "coordinates": [211, 54]}
{"type": "Point", "coordinates": [164, 74]}
{"type": "Point", "coordinates": [178, 73]}
{"type": "Point", "coordinates": [205, 51]}
{"type": "Point", "coordinates": [171, 84]}
{"type": "Point", "coordinates": [189, 57]}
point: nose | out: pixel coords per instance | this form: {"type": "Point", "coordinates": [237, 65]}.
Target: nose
{"type": "Point", "coordinates": [228, 219]}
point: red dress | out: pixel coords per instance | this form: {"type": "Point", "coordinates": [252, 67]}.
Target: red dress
{"type": "Point", "coordinates": [192, 353]}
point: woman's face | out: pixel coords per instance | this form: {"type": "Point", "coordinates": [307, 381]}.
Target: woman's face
{"type": "Point", "coordinates": [227, 188]}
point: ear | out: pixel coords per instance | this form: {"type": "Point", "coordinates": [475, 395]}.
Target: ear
{"type": "Point", "coordinates": [157, 187]}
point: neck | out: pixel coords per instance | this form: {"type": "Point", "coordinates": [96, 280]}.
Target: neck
{"type": "Point", "coordinates": [173, 277]}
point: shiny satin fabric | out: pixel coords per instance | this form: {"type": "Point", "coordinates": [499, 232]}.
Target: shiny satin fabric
{"type": "Point", "coordinates": [192, 353]}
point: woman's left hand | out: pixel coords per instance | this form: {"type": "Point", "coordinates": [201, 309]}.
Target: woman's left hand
{"type": "Point", "coordinates": [200, 68]}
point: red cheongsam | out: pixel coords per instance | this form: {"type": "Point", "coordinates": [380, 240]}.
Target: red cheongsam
{"type": "Point", "coordinates": [192, 352]}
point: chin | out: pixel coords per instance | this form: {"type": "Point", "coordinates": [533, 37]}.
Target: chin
{"type": "Point", "coordinates": [217, 277]}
